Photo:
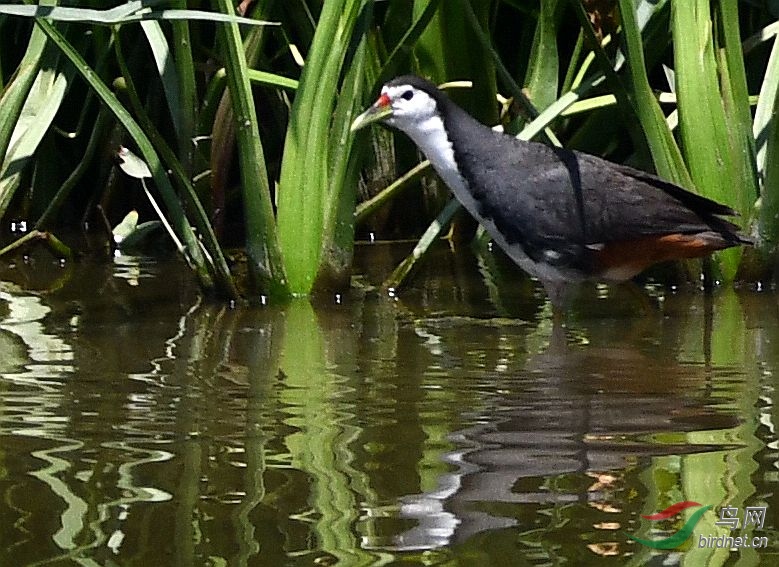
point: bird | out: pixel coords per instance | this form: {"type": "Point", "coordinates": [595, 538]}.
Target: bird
{"type": "Point", "coordinates": [562, 215]}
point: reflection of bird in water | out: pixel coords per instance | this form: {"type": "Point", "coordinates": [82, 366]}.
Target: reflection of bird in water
{"type": "Point", "coordinates": [567, 428]}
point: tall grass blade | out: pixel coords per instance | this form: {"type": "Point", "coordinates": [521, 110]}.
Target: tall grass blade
{"type": "Point", "coordinates": [405, 181]}
{"type": "Point", "coordinates": [262, 244]}
{"type": "Point", "coordinates": [738, 112]}
{"type": "Point", "coordinates": [345, 157]}
{"type": "Point", "coordinates": [217, 119]}
{"type": "Point", "coordinates": [500, 69]}
{"type": "Point", "coordinates": [305, 190]}
{"type": "Point", "coordinates": [13, 97]}
{"type": "Point", "coordinates": [701, 114]}
{"type": "Point", "coordinates": [172, 203]}
{"type": "Point", "coordinates": [559, 107]}
{"type": "Point", "coordinates": [135, 167]}
{"type": "Point", "coordinates": [134, 11]}
{"type": "Point", "coordinates": [703, 126]}
{"type": "Point", "coordinates": [216, 258]}
{"type": "Point", "coordinates": [609, 69]}
{"type": "Point", "coordinates": [2, 74]}
{"type": "Point", "coordinates": [441, 56]}
{"type": "Point", "coordinates": [40, 106]}
{"type": "Point", "coordinates": [430, 50]}
{"type": "Point", "coordinates": [187, 95]}
{"type": "Point", "coordinates": [166, 68]}
{"type": "Point", "coordinates": [272, 80]}
{"type": "Point", "coordinates": [665, 153]}
{"type": "Point", "coordinates": [766, 131]}
{"type": "Point", "coordinates": [405, 45]}
{"type": "Point", "coordinates": [542, 76]}
{"type": "Point", "coordinates": [764, 112]}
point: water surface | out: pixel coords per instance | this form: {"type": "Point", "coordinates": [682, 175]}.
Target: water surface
{"type": "Point", "coordinates": [449, 425]}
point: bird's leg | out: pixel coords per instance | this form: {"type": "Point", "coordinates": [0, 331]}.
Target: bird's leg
{"type": "Point", "coordinates": [557, 291]}
{"type": "Point", "coordinates": [558, 340]}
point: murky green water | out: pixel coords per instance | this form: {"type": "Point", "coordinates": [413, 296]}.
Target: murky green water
{"type": "Point", "coordinates": [140, 425]}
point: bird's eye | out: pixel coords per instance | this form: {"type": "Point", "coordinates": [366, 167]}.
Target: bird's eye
{"type": "Point", "coordinates": [407, 95]}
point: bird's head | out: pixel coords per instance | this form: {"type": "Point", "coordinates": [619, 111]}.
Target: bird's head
{"type": "Point", "coordinates": [404, 103]}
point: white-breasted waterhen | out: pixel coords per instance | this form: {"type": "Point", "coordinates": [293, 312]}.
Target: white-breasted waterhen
{"type": "Point", "coordinates": [562, 215]}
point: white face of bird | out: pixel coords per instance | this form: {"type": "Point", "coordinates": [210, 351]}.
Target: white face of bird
{"type": "Point", "coordinates": [404, 107]}
{"type": "Point", "coordinates": [415, 111]}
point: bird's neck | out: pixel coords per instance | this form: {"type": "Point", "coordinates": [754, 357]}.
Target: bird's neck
{"type": "Point", "coordinates": [432, 139]}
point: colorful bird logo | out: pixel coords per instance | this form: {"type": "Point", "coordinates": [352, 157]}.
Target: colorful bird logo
{"type": "Point", "coordinates": [679, 537]}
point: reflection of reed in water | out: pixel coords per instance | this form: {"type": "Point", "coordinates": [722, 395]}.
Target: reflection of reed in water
{"type": "Point", "coordinates": [347, 433]}
{"type": "Point", "coordinates": [39, 410]}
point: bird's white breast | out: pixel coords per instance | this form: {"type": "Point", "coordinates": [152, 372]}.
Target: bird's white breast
{"type": "Point", "coordinates": [430, 136]}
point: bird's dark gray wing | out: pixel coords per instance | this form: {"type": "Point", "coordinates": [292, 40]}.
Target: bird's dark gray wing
{"type": "Point", "coordinates": [548, 199]}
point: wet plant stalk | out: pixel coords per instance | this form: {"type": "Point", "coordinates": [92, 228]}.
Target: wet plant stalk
{"type": "Point", "coordinates": [262, 246]}
{"type": "Point", "coordinates": [306, 191]}
{"type": "Point", "coordinates": [665, 153]}
{"type": "Point", "coordinates": [217, 261]}
{"type": "Point", "coordinates": [14, 96]}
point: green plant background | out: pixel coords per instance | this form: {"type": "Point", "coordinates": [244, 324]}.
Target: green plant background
{"type": "Point", "coordinates": [243, 119]}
